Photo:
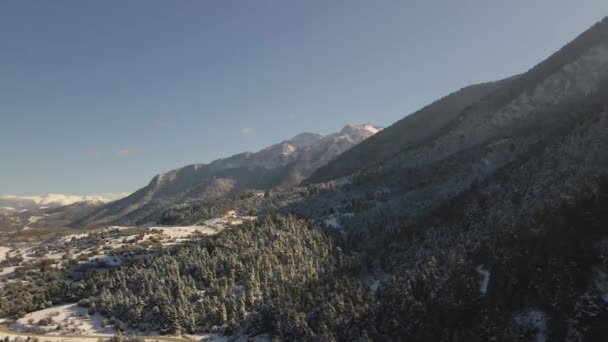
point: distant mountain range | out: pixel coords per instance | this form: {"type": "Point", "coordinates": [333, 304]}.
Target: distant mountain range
{"type": "Point", "coordinates": [10, 203]}
{"type": "Point", "coordinates": [279, 166]}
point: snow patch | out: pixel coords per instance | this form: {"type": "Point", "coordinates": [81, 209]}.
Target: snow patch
{"type": "Point", "coordinates": [332, 222]}
{"type": "Point", "coordinates": [485, 279]}
{"type": "Point", "coordinates": [371, 129]}
{"type": "Point", "coordinates": [374, 281]}
{"type": "Point", "coordinates": [600, 280]}
{"type": "Point", "coordinates": [34, 219]}
{"type": "Point", "coordinates": [183, 232]}
{"type": "Point", "coordinates": [535, 320]}
{"type": "Point", "coordinates": [8, 270]}
{"type": "Point", "coordinates": [3, 251]}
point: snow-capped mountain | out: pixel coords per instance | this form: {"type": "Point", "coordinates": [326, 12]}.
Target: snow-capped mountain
{"type": "Point", "coordinates": [308, 146]}
{"type": "Point", "coordinates": [10, 203]}
{"type": "Point", "coordinates": [282, 165]}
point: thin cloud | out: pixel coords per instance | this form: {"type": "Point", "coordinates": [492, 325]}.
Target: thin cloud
{"type": "Point", "coordinates": [126, 153]}
{"type": "Point", "coordinates": [247, 130]}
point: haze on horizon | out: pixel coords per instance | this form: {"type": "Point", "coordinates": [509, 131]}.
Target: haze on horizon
{"type": "Point", "coordinates": [98, 97]}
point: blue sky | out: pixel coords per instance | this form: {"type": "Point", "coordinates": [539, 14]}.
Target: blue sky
{"type": "Point", "coordinates": [99, 96]}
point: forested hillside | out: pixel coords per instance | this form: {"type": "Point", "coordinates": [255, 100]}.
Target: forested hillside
{"type": "Point", "coordinates": [541, 275]}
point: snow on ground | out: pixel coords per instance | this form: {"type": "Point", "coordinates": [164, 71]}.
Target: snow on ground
{"type": "Point", "coordinates": [534, 320]}
{"type": "Point", "coordinates": [3, 251]}
{"type": "Point", "coordinates": [31, 220]}
{"type": "Point", "coordinates": [24, 250]}
{"type": "Point", "coordinates": [117, 227]}
{"type": "Point", "coordinates": [485, 279]}
{"type": "Point", "coordinates": [371, 129]}
{"type": "Point", "coordinates": [600, 279]}
{"type": "Point", "coordinates": [374, 281]}
{"type": "Point", "coordinates": [169, 235]}
{"type": "Point", "coordinates": [332, 221]}
{"type": "Point", "coordinates": [70, 318]}
{"type": "Point", "coordinates": [69, 238]}
{"type": "Point", "coordinates": [216, 223]}
{"type": "Point", "coordinates": [34, 219]}
{"type": "Point", "coordinates": [7, 270]}
{"type": "Point", "coordinates": [116, 260]}
{"type": "Point", "coordinates": [7, 211]}
{"type": "Point", "coordinates": [373, 285]}
{"type": "Point", "coordinates": [184, 232]}
{"type": "Point", "coordinates": [75, 324]}
{"type": "Point", "coordinates": [23, 337]}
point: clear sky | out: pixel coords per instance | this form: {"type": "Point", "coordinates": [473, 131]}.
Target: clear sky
{"type": "Point", "coordinates": [99, 96]}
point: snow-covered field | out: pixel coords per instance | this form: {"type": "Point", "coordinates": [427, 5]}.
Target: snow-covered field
{"type": "Point", "coordinates": [70, 322]}
{"type": "Point", "coordinates": [69, 319]}
{"type": "Point", "coordinates": [111, 245]}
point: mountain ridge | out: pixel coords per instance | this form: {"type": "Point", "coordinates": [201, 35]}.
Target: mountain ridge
{"type": "Point", "coordinates": [480, 101]}
{"type": "Point", "coordinates": [280, 165]}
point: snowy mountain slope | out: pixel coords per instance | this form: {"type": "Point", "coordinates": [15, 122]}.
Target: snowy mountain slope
{"type": "Point", "coordinates": [483, 113]}
{"type": "Point", "coordinates": [479, 135]}
{"type": "Point", "coordinates": [282, 165]}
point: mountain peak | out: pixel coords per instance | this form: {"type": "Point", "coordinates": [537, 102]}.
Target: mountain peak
{"type": "Point", "coordinates": [357, 129]}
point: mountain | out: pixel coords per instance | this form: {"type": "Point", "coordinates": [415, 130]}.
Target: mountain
{"type": "Point", "coordinates": [479, 113]}
{"type": "Point", "coordinates": [10, 203]}
{"type": "Point", "coordinates": [282, 165]}
{"type": "Point", "coordinates": [530, 135]}
{"type": "Point", "coordinates": [479, 218]}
